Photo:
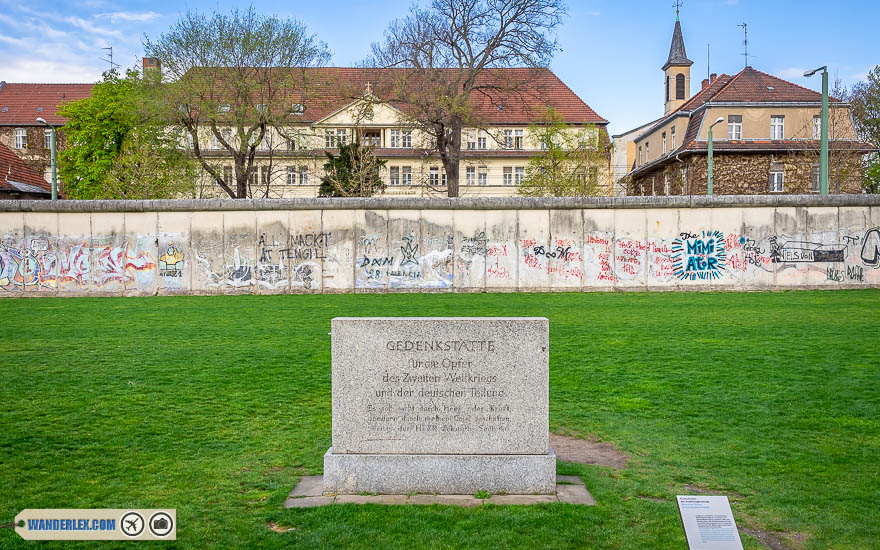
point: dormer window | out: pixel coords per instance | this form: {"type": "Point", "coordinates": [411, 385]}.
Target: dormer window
{"type": "Point", "coordinates": [297, 109]}
{"type": "Point", "coordinates": [224, 108]}
{"type": "Point", "coordinates": [500, 107]}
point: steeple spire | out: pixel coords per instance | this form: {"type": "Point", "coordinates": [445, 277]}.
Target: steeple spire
{"type": "Point", "coordinates": [677, 53]}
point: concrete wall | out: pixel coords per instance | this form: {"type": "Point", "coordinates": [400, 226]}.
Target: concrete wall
{"type": "Point", "coordinates": [136, 248]}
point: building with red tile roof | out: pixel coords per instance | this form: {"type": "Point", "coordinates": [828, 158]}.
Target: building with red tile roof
{"type": "Point", "coordinates": [20, 105]}
{"type": "Point", "coordinates": [18, 180]}
{"type": "Point", "coordinates": [765, 139]}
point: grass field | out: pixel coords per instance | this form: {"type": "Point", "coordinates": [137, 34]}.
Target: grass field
{"type": "Point", "coordinates": [218, 405]}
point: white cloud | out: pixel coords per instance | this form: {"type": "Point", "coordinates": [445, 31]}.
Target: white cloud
{"type": "Point", "coordinates": [132, 16]}
{"type": "Point", "coordinates": [21, 69]}
{"type": "Point", "coordinates": [89, 27]}
{"type": "Point", "coordinates": [595, 13]}
{"type": "Point", "coordinates": [791, 73]}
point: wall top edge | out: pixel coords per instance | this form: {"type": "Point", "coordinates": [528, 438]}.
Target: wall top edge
{"type": "Point", "coordinates": [494, 203]}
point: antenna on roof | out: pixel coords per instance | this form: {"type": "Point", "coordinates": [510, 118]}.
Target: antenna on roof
{"type": "Point", "coordinates": [745, 28]}
{"type": "Point", "coordinates": [109, 58]}
{"type": "Point", "coordinates": [708, 62]}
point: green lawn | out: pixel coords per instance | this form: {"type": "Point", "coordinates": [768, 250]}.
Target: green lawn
{"type": "Point", "coordinates": [217, 406]}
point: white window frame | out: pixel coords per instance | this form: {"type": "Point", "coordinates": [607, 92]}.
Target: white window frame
{"type": "Point", "coordinates": [434, 176]}
{"type": "Point", "coordinates": [734, 128]}
{"type": "Point", "coordinates": [341, 136]}
{"type": "Point", "coordinates": [519, 174]}
{"type": "Point", "coordinates": [406, 175]}
{"type": "Point", "coordinates": [20, 139]}
{"type": "Point", "coordinates": [470, 140]}
{"type": "Point", "coordinates": [508, 175]}
{"type": "Point", "coordinates": [508, 139]}
{"type": "Point", "coordinates": [481, 141]}
{"type": "Point", "coordinates": [406, 139]}
{"type": "Point", "coordinates": [395, 139]}
{"type": "Point", "coordinates": [483, 176]}
{"type": "Point", "coordinates": [394, 175]}
{"type": "Point", "coordinates": [640, 155]}
{"type": "Point", "coordinates": [291, 175]}
{"type": "Point", "coordinates": [664, 143]}
{"type": "Point", "coordinates": [47, 139]}
{"type": "Point", "coordinates": [817, 127]}
{"type": "Point", "coordinates": [330, 138]}
{"type": "Point", "coordinates": [672, 136]}
{"type": "Point", "coordinates": [777, 127]}
{"type": "Point", "coordinates": [517, 139]}
{"type": "Point", "coordinates": [647, 151]}
{"type": "Point", "coordinates": [303, 175]}
{"type": "Point", "coordinates": [777, 178]}
{"type": "Point", "coordinates": [470, 175]}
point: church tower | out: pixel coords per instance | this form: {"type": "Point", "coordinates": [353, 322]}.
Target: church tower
{"type": "Point", "coordinates": [677, 71]}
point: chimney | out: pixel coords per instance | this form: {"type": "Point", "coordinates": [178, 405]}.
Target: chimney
{"type": "Point", "coordinates": [712, 77]}
{"type": "Point", "coordinates": [705, 83]}
{"type": "Point", "coordinates": [152, 66]}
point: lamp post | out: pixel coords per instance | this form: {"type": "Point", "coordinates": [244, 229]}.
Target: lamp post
{"type": "Point", "coordinates": [54, 157]}
{"type": "Point", "coordinates": [719, 120]}
{"type": "Point", "coordinates": [823, 155]}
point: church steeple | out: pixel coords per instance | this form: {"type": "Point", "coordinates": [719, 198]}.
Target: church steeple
{"type": "Point", "coordinates": [677, 69]}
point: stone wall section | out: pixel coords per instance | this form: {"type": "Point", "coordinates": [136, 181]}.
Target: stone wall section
{"type": "Point", "coordinates": [146, 248]}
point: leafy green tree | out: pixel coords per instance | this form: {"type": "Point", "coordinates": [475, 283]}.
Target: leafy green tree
{"type": "Point", "coordinates": [864, 98]}
{"type": "Point", "coordinates": [571, 161]}
{"type": "Point", "coordinates": [107, 128]}
{"type": "Point", "coordinates": [352, 173]}
{"type": "Point", "coordinates": [236, 83]}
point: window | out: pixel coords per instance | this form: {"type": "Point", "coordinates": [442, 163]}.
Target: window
{"type": "Point", "coordinates": [734, 127]}
{"type": "Point", "coordinates": [470, 175]}
{"type": "Point", "coordinates": [666, 184]}
{"type": "Point", "coordinates": [297, 109]}
{"type": "Point", "coordinates": [223, 108]}
{"type": "Point", "coordinates": [406, 173]}
{"type": "Point", "coordinates": [303, 175]}
{"type": "Point", "coordinates": [329, 138]}
{"type": "Point", "coordinates": [406, 139]}
{"type": "Point", "coordinates": [664, 143]}
{"type": "Point", "coordinates": [679, 86]}
{"type": "Point", "coordinates": [291, 143]}
{"type": "Point", "coordinates": [817, 127]}
{"type": "Point", "coordinates": [518, 139]}
{"type": "Point", "coordinates": [640, 154]}
{"type": "Point", "coordinates": [291, 175]}
{"type": "Point", "coordinates": [434, 176]}
{"type": "Point", "coordinates": [508, 175]}
{"type": "Point", "coordinates": [20, 138]}
{"type": "Point", "coordinates": [373, 138]}
{"type": "Point", "coordinates": [47, 139]}
{"type": "Point", "coordinates": [264, 175]}
{"type": "Point", "coordinates": [226, 134]}
{"type": "Point", "coordinates": [777, 127]}
{"type": "Point", "coordinates": [816, 178]}
{"type": "Point", "coordinates": [227, 175]}
{"type": "Point", "coordinates": [667, 88]}
{"type": "Point", "coordinates": [471, 143]}
{"type": "Point", "coordinates": [443, 183]}
{"type": "Point", "coordinates": [544, 145]}
{"type": "Point", "coordinates": [519, 174]}
{"type": "Point", "coordinates": [483, 176]}
{"type": "Point", "coordinates": [777, 175]}
{"type": "Point", "coordinates": [647, 152]}
{"type": "Point", "coordinates": [341, 136]}
{"type": "Point", "coordinates": [395, 175]}
{"type": "Point", "coordinates": [481, 142]}
{"type": "Point", "coordinates": [594, 175]}
{"type": "Point", "coordinates": [395, 138]}
{"type": "Point", "coordinates": [672, 135]}
{"type": "Point", "coordinates": [508, 139]}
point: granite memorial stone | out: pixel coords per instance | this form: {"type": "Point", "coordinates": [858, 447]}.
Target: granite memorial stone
{"type": "Point", "coordinates": [440, 405]}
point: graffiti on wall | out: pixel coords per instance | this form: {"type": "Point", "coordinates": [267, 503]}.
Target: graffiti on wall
{"type": "Point", "coordinates": [427, 255]}
{"type": "Point", "coordinates": [702, 257]}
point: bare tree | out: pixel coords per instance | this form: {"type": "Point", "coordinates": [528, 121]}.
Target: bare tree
{"type": "Point", "coordinates": [236, 80]}
{"type": "Point", "coordinates": [449, 51]}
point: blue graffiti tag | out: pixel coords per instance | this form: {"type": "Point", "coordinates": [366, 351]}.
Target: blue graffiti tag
{"type": "Point", "coordinates": [699, 256]}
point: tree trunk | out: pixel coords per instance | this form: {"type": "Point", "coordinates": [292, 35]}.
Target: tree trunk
{"type": "Point", "coordinates": [450, 155]}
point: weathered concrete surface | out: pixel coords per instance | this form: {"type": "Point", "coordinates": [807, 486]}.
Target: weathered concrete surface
{"type": "Point", "coordinates": [118, 248]}
{"type": "Point", "coordinates": [440, 385]}
{"type": "Point", "coordinates": [439, 473]}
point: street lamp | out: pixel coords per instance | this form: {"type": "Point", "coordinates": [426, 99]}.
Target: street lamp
{"type": "Point", "coordinates": [718, 120]}
{"type": "Point", "coordinates": [823, 155]}
{"type": "Point", "coordinates": [54, 157]}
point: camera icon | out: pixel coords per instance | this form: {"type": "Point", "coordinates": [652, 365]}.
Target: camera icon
{"type": "Point", "coordinates": [161, 524]}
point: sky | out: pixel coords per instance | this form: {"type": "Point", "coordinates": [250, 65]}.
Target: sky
{"type": "Point", "coordinates": [610, 51]}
